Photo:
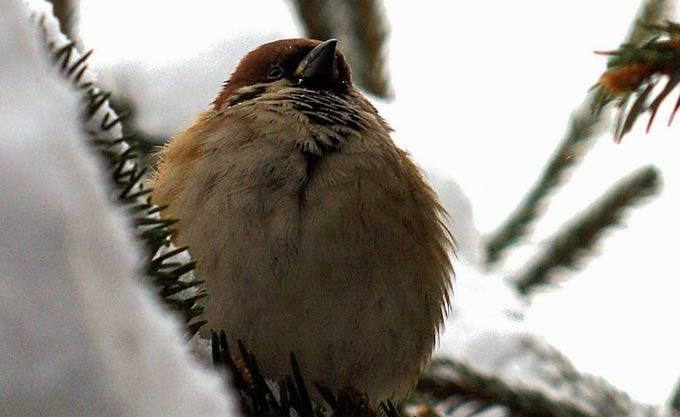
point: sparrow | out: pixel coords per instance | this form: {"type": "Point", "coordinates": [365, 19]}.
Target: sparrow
{"type": "Point", "coordinates": [315, 234]}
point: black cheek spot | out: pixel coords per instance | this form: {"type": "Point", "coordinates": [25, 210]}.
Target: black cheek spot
{"type": "Point", "coordinates": [248, 95]}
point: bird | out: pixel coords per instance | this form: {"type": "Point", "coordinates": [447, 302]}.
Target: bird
{"type": "Point", "coordinates": [315, 234]}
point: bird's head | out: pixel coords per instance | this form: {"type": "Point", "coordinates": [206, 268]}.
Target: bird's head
{"type": "Point", "coordinates": [304, 63]}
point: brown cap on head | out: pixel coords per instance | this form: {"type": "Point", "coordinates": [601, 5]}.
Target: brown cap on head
{"type": "Point", "coordinates": [305, 62]}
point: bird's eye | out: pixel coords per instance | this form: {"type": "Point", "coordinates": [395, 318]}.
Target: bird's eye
{"type": "Point", "coordinates": [275, 72]}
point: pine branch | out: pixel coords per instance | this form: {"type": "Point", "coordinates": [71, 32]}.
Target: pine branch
{"type": "Point", "coordinates": [447, 378]}
{"type": "Point", "coordinates": [674, 401]}
{"type": "Point", "coordinates": [570, 152]}
{"type": "Point", "coordinates": [66, 11]}
{"type": "Point", "coordinates": [581, 130]}
{"type": "Point", "coordinates": [452, 388]}
{"type": "Point", "coordinates": [144, 143]}
{"type": "Point", "coordinates": [579, 237]}
{"type": "Point", "coordinates": [313, 15]}
{"type": "Point", "coordinates": [651, 11]}
{"type": "Point", "coordinates": [633, 73]}
{"type": "Point", "coordinates": [169, 268]}
{"type": "Point", "coordinates": [459, 406]}
{"type": "Point", "coordinates": [361, 29]}
{"type": "Point", "coordinates": [288, 397]}
{"type": "Point", "coordinates": [559, 373]}
{"type": "Point", "coordinates": [371, 40]}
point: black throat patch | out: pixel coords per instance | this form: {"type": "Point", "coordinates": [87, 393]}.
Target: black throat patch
{"type": "Point", "coordinates": [326, 109]}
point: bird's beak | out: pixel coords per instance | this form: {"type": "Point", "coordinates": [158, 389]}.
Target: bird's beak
{"type": "Point", "coordinates": [319, 65]}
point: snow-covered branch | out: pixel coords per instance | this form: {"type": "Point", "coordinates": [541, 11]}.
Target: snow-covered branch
{"type": "Point", "coordinates": [81, 335]}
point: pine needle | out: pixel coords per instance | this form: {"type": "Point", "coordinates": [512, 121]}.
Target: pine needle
{"type": "Point", "coordinates": [168, 268]}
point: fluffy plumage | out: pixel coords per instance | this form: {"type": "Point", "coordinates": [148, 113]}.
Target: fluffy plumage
{"type": "Point", "coordinates": [314, 232]}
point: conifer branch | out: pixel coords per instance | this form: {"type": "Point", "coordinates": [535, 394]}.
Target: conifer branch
{"type": "Point", "coordinates": [674, 401]}
{"type": "Point", "coordinates": [145, 143]}
{"type": "Point", "coordinates": [452, 388]}
{"type": "Point", "coordinates": [581, 131]}
{"type": "Point", "coordinates": [361, 29]}
{"type": "Point", "coordinates": [168, 268]}
{"type": "Point", "coordinates": [583, 233]}
{"type": "Point", "coordinates": [634, 71]}
{"type": "Point", "coordinates": [290, 396]}
{"type": "Point", "coordinates": [558, 372]}
{"type": "Point", "coordinates": [371, 41]}
{"type": "Point", "coordinates": [449, 378]}
{"type": "Point", "coordinates": [66, 11]}
{"type": "Point", "coordinates": [651, 11]}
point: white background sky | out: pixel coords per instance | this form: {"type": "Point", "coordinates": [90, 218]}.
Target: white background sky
{"type": "Point", "coordinates": [483, 94]}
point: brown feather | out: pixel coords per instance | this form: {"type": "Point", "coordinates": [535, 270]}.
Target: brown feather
{"type": "Point", "coordinates": [314, 232]}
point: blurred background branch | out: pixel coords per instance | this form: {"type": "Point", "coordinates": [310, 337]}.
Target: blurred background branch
{"type": "Point", "coordinates": [557, 371]}
{"type": "Point", "coordinates": [570, 152]}
{"type": "Point", "coordinates": [651, 12]}
{"type": "Point", "coordinates": [583, 233]}
{"type": "Point", "coordinates": [580, 133]}
{"type": "Point", "coordinates": [67, 13]}
{"type": "Point", "coordinates": [674, 401]}
{"type": "Point", "coordinates": [448, 378]}
{"type": "Point", "coordinates": [362, 31]}
{"type": "Point", "coordinates": [541, 382]}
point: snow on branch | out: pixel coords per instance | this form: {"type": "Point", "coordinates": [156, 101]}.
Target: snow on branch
{"type": "Point", "coordinates": [582, 128]}
{"type": "Point", "coordinates": [80, 334]}
{"type": "Point", "coordinates": [168, 267]}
